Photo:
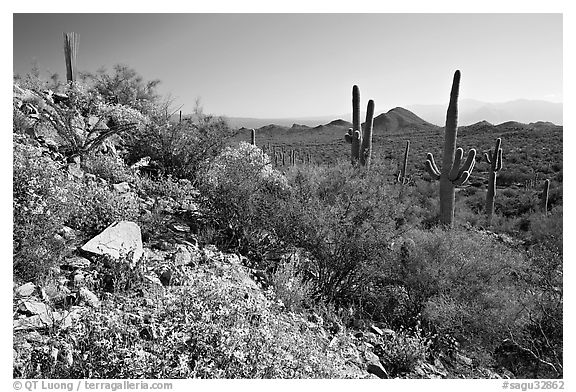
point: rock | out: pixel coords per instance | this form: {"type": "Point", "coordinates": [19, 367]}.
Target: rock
{"type": "Point", "coordinates": [440, 368]}
{"type": "Point", "coordinates": [76, 262]}
{"type": "Point", "coordinates": [154, 279]}
{"type": "Point", "coordinates": [181, 227]}
{"type": "Point", "coordinates": [166, 278]}
{"type": "Point", "coordinates": [25, 290]}
{"type": "Point", "coordinates": [232, 258]}
{"type": "Point", "coordinates": [370, 337]}
{"type": "Point", "coordinates": [463, 359]}
{"type": "Point", "coordinates": [419, 371]}
{"type": "Point", "coordinates": [59, 97]}
{"type": "Point", "coordinates": [189, 205]}
{"type": "Point", "coordinates": [33, 307]}
{"type": "Point", "coordinates": [148, 333]}
{"type": "Point", "coordinates": [377, 369]}
{"type": "Point", "coordinates": [376, 330]}
{"type": "Point", "coordinates": [121, 187]}
{"type": "Point", "coordinates": [97, 123]}
{"type": "Point", "coordinates": [74, 170]}
{"type": "Point", "coordinates": [78, 279]}
{"type": "Point", "coordinates": [54, 354]}
{"type": "Point", "coordinates": [182, 256]}
{"type": "Point", "coordinates": [53, 292]}
{"type": "Point", "coordinates": [89, 297]}
{"type": "Point", "coordinates": [141, 163]}
{"type": "Point", "coordinates": [35, 337]}
{"type": "Point", "coordinates": [68, 233]}
{"type": "Point", "coordinates": [118, 240]}
{"type": "Point", "coordinates": [38, 321]}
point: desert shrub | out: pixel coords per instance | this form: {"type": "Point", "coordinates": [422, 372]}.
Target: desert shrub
{"type": "Point", "coordinates": [181, 149]}
{"type": "Point", "coordinates": [463, 282]}
{"type": "Point", "coordinates": [93, 207]}
{"type": "Point", "coordinates": [291, 286]}
{"type": "Point", "coordinates": [166, 186]}
{"type": "Point", "coordinates": [39, 210]}
{"type": "Point", "coordinates": [241, 189]}
{"type": "Point", "coordinates": [543, 284]}
{"type": "Point", "coordinates": [402, 351]}
{"type": "Point", "coordinates": [344, 220]}
{"type": "Point", "coordinates": [107, 167]}
{"type": "Point", "coordinates": [124, 86]}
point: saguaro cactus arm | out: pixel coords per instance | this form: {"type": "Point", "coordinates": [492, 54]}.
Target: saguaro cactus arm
{"type": "Point", "coordinates": [348, 136]}
{"type": "Point", "coordinates": [454, 173]}
{"type": "Point", "coordinates": [494, 159]}
{"type": "Point", "coordinates": [468, 166]}
{"type": "Point", "coordinates": [431, 167]}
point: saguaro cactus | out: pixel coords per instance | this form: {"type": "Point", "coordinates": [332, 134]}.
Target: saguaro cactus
{"type": "Point", "coordinates": [402, 173]}
{"type": "Point", "coordinates": [70, 52]}
{"type": "Point", "coordinates": [355, 133]}
{"type": "Point", "coordinates": [452, 174]}
{"type": "Point", "coordinates": [361, 141]}
{"type": "Point", "coordinates": [494, 159]}
{"type": "Point", "coordinates": [545, 191]}
{"type": "Point", "coordinates": [253, 136]}
{"type": "Point", "coordinates": [366, 144]}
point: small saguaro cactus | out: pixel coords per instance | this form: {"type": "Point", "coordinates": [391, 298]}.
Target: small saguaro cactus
{"type": "Point", "coordinates": [70, 52]}
{"type": "Point", "coordinates": [361, 141]}
{"type": "Point", "coordinates": [253, 136]}
{"type": "Point", "coordinates": [453, 173]}
{"type": "Point", "coordinates": [402, 178]}
{"type": "Point", "coordinates": [494, 159]}
{"type": "Point", "coordinates": [545, 191]}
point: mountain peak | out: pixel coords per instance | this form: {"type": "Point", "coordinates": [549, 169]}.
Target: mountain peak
{"type": "Point", "coordinates": [399, 118]}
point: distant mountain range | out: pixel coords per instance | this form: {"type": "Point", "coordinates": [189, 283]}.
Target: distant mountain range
{"type": "Point", "coordinates": [395, 121]}
{"type": "Point", "coordinates": [470, 112]}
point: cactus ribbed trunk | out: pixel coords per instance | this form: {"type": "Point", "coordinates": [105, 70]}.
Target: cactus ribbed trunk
{"type": "Point", "coordinates": [356, 125]}
{"type": "Point", "coordinates": [70, 52]}
{"type": "Point", "coordinates": [447, 193]}
{"type": "Point", "coordinates": [490, 195]}
{"type": "Point", "coordinates": [494, 160]}
{"type": "Point", "coordinates": [366, 148]}
{"type": "Point", "coordinates": [253, 136]}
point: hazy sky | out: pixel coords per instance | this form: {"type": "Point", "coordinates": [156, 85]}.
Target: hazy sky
{"type": "Point", "coordinates": [297, 65]}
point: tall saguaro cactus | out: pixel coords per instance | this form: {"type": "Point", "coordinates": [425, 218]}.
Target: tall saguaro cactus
{"type": "Point", "coordinates": [356, 136]}
{"type": "Point", "coordinates": [361, 141]}
{"type": "Point", "coordinates": [253, 136]}
{"type": "Point", "coordinates": [453, 173]}
{"type": "Point", "coordinates": [71, 41]}
{"type": "Point", "coordinates": [494, 159]}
